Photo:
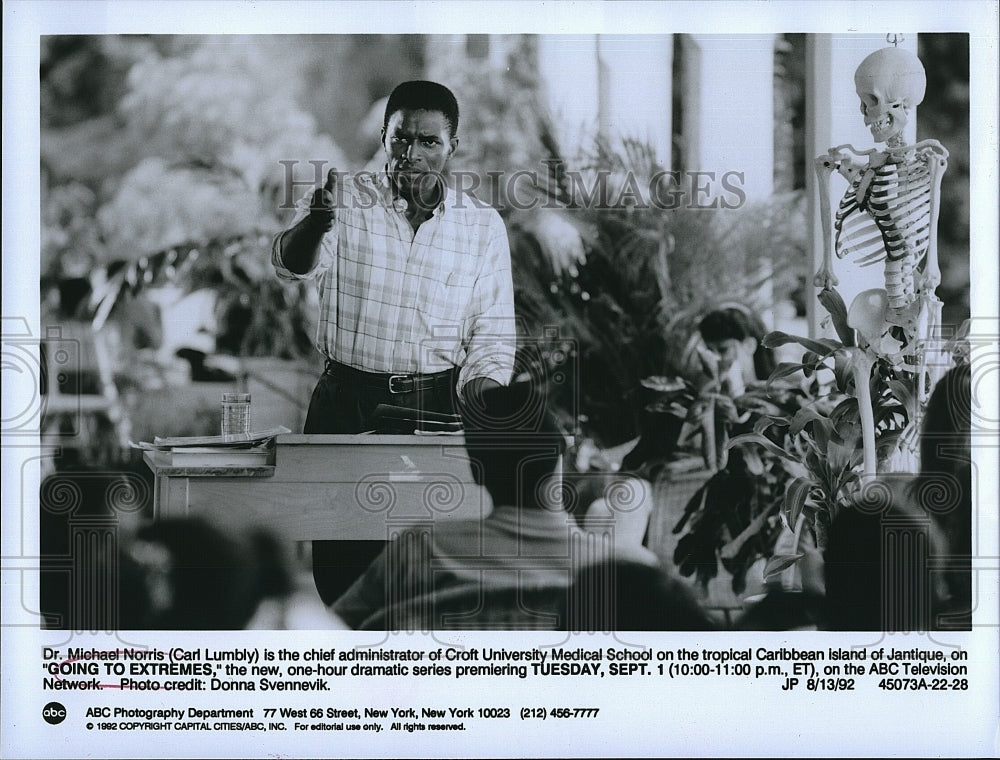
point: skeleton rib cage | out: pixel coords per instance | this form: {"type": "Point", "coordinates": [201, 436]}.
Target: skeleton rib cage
{"type": "Point", "coordinates": [886, 215]}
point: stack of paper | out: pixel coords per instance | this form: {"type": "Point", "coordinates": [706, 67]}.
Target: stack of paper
{"type": "Point", "coordinates": [243, 450]}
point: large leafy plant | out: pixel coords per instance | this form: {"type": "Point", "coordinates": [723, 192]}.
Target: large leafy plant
{"type": "Point", "coordinates": [206, 181]}
{"type": "Point", "coordinates": [628, 303]}
{"type": "Point", "coordinates": [734, 519]}
{"type": "Point", "coordinates": [798, 460]}
{"type": "Point", "coordinates": [258, 315]}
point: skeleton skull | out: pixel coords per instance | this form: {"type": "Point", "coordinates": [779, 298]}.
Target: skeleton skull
{"type": "Point", "coordinates": [890, 83]}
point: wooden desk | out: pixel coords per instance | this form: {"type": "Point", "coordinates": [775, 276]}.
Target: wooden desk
{"type": "Point", "coordinates": [329, 486]}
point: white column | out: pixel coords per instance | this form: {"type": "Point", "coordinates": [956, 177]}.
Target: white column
{"type": "Point", "coordinates": [442, 52]}
{"type": "Point", "coordinates": [498, 50]}
{"type": "Point", "coordinates": [568, 71]}
{"type": "Point", "coordinates": [729, 108]}
{"type": "Point", "coordinates": [833, 117]}
{"type": "Point", "coordinates": [635, 91]}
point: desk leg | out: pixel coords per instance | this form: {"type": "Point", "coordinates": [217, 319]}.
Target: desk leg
{"type": "Point", "coordinates": [170, 497]}
{"type": "Point", "coordinates": [158, 485]}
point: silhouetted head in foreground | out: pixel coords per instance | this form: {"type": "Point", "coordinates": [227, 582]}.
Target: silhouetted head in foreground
{"type": "Point", "coordinates": [878, 570]}
{"type": "Point", "coordinates": [515, 445]}
{"type": "Point", "coordinates": [623, 595]}
{"type": "Point", "coordinates": [185, 574]}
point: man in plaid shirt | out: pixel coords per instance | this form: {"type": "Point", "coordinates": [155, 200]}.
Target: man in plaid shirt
{"type": "Point", "coordinates": [416, 297]}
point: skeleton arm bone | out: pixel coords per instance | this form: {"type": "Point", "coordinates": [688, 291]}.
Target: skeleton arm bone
{"type": "Point", "coordinates": [863, 364]}
{"type": "Point", "coordinates": [937, 163]}
{"type": "Point", "coordinates": [825, 165]}
{"type": "Point", "coordinates": [930, 306]}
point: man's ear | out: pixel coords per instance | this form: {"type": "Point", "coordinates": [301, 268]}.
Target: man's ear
{"type": "Point", "coordinates": [381, 134]}
{"type": "Point", "coordinates": [454, 146]}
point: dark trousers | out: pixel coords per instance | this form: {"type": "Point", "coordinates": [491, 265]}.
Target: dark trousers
{"type": "Point", "coordinates": [340, 407]}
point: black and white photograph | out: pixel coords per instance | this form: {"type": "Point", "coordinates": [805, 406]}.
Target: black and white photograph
{"type": "Point", "coordinates": [478, 379]}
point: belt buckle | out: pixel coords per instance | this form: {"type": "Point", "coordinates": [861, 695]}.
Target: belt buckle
{"type": "Point", "coordinates": [392, 387]}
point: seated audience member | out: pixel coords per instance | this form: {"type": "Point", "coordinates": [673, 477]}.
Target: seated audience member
{"type": "Point", "coordinates": [626, 502]}
{"type": "Point", "coordinates": [792, 599]}
{"type": "Point", "coordinates": [624, 595]}
{"type": "Point", "coordinates": [723, 357]}
{"type": "Point", "coordinates": [780, 610]}
{"type": "Point", "coordinates": [733, 336]}
{"type": "Point", "coordinates": [521, 556]}
{"type": "Point", "coordinates": [72, 570]}
{"type": "Point", "coordinates": [922, 538]}
{"type": "Point", "coordinates": [877, 569]}
{"type": "Point", "coordinates": [186, 574]}
{"type": "Point", "coordinates": [596, 498]}
{"type": "Point", "coordinates": [943, 487]}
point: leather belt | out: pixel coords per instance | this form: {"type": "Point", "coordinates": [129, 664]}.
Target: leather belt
{"type": "Point", "coordinates": [391, 383]}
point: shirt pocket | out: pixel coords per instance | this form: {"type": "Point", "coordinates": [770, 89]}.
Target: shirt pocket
{"type": "Point", "coordinates": [447, 302]}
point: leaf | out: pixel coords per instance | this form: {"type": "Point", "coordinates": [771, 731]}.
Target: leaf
{"type": "Point", "coordinates": [887, 414]}
{"type": "Point", "coordinates": [905, 396]}
{"type": "Point", "coordinates": [784, 370]}
{"type": "Point", "coordinates": [849, 433]}
{"type": "Point", "coordinates": [733, 548]}
{"type": "Point", "coordinates": [819, 346]}
{"type": "Point", "coordinates": [844, 408]}
{"type": "Point", "coordinates": [844, 366]}
{"type": "Point", "coordinates": [768, 421]}
{"type": "Point", "coordinates": [803, 417]}
{"type": "Point", "coordinates": [778, 563]}
{"type": "Point", "coordinates": [748, 438]}
{"type": "Point", "coordinates": [812, 459]}
{"type": "Point", "coordinates": [753, 462]}
{"type": "Point", "coordinates": [822, 433]}
{"type": "Point", "coordinates": [796, 469]}
{"type": "Point", "coordinates": [832, 301]}
{"type": "Point", "coordinates": [886, 444]}
{"type": "Point", "coordinates": [838, 456]}
{"type": "Point", "coordinates": [810, 362]}
{"type": "Point", "coordinates": [795, 498]}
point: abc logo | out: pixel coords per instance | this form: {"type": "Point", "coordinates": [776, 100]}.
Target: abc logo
{"type": "Point", "coordinates": [54, 713]}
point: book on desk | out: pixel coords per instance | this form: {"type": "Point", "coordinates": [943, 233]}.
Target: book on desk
{"type": "Point", "coordinates": [244, 450]}
{"type": "Point", "coordinates": [210, 456]}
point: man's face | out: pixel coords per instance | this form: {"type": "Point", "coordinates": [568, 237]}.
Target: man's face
{"type": "Point", "coordinates": [417, 146]}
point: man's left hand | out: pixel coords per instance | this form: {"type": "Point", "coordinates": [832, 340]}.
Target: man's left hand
{"type": "Point", "coordinates": [472, 393]}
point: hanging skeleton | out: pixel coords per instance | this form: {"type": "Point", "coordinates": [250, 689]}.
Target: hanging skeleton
{"type": "Point", "coordinates": [889, 214]}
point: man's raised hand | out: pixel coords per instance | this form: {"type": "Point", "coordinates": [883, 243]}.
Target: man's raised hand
{"type": "Point", "coordinates": [321, 207]}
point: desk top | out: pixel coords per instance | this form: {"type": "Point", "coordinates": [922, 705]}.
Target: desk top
{"type": "Point", "coordinates": [294, 453]}
{"type": "Point", "coordinates": [372, 439]}
{"type": "Point", "coordinates": [329, 486]}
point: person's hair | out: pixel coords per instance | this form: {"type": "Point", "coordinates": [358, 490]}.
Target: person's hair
{"type": "Point", "coordinates": [513, 441]}
{"type": "Point", "coordinates": [782, 610]}
{"type": "Point", "coordinates": [624, 595]}
{"type": "Point", "coordinates": [947, 420]}
{"type": "Point", "coordinates": [943, 488]}
{"type": "Point", "coordinates": [186, 574]}
{"type": "Point", "coordinates": [877, 571]}
{"type": "Point", "coordinates": [421, 94]}
{"type": "Point", "coordinates": [738, 322]}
